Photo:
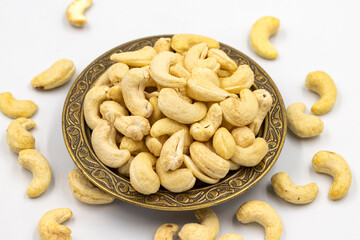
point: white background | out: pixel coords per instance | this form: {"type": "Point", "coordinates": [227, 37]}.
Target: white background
{"type": "Point", "coordinates": [314, 35]}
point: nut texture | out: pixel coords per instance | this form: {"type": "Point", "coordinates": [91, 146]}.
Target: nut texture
{"type": "Point", "coordinates": [166, 231]}
{"type": "Point", "coordinates": [49, 227]}
{"type": "Point", "coordinates": [182, 42]}
{"type": "Point", "coordinates": [14, 108]}
{"type": "Point", "coordinates": [17, 136]}
{"type": "Point", "coordinates": [75, 12]}
{"type": "Point", "coordinates": [138, 58]}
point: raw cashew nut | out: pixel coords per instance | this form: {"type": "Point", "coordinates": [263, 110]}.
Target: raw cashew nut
{"type": "Point", "coordinates": [86, 191]}
{"type": "Point", "coordinates": [335, 165]}
{"type": "Point", "coordinates": [206, 230]}
{"type": "Point", "coordinates": [57, 75]}
{"type": "Point", "coordinates": [184, 112]}
{"type": "Point", "coordinates": [49, 226]}
{"type": "Point", "coordinates": [197, 171]}
{"type": "Point", "coordinates": [134, 147]}
{"type": "Point", "coordinates": [36, 163]}
{"type": "Point", "coordinates": [163, 44]}
{"type": "Point", "coordinates": [224, 143]}
{"type": "Point", "coordinates": [240, 112]}
{"type": "Point", "coordinates": [183, 42]}
{"type": "Point", "coordinates": [264, 105]}
{"type": "Point", "coordinates": [205, 129]}
{"type": "Point", "coordinates": [196, 57]}
{"type": "Point", "coordinates": [301, 124]}
{"type": "Point", "coordinates": [17, 136]}
{"type": "Point", "coordinates": [262, 213]}
{"type": "Point", "coordinates": [116, 72]}
{"type": "Point", "coordinates": [172, 151]}
{"type": "Point", "coordinates": [110, 110]}
{"type": "Point", "coordinates": [156, 114]}
{"type": "Point", "coordinates": [259, 36]}
{"type": "Point", "coordinates": [178, 70]}
{"type": "Point", "coordinates": [94, 97]}
{"type": "Point", "coordinates": [133, 86]}
{"type": "Point", "coordinates": [290, 192]}
{"type": "Point", "coordinates": [105, 148]}
{"type": "Point", "coordinates": [166, 231]}
{"type": "Point", "coordinates": [252, 155]}
{"type": "Point", "coordinates": [138, 58]}
{"type": "Point", "coordinates": [231, 236]}
{"type": "Point", "coordinates": [321, 83]}
{"type": "Point", "coordinates": [103, 80]}
{"type": "Point", "coordinates": [155, 144]}
{"type": "Point", "coordinates": [224, 73]}
{"type": "Point", "coordinates": [221, 57]}
{"type": "Point", "coordinates": [115, 93]}
{"type": "Point", "coordinates": [243, 136]}
{"type": "Point", "coordinates": [14, 108]}
{"type": "Point", "coordinates": [142, 176]}
{"type": "Point", "coordinates": [125, 169]}
{"type": "Point", "coordinates": [242, 78]}
{"type": "Point", "coordinates": [75, 12]}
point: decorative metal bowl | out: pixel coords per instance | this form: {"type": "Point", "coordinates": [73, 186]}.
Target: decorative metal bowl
{"type": "Point", "coordinates": [78, 142]}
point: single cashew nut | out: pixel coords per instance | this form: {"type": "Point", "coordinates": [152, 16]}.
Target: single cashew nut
{"type": "Point", "coordinates": [206, 230]}
{"type": "Point", "coordinates": [178, 70]}
{"type": "Point", "coordinates": [156, 114]}
{"type": "Point", "coordinates": [86, 191]}
{"type": "Point", "coordinates": [196, 57]}
{"type": "Point", "coordinates": [110, 110]}
{"type": "Point", "coordinates": [49, 226]}
{"type": "Point", "coordinates": [321, 83]}
{"type": "Point", "coordinates": [301, 124]}
{"type": "Point", "coordinates": [116, 72]}
{"type": "Point", "coordinates": [103, 80]}
{"type": "Point", "coordinates": [262, 213]}
{"type": "Point", "coordinates": [335, 165]}
{"type": "Point", "coordinates": [224, 73]}
{"type": "Point", "coordinates": [17, 136]}
{"type": "Point", "coordinates": [173, 151]}
{"type": "Point", "coordinates": [138, 58]}
{"type": "Point", "coordinates": [75, 12]}
{"type": "Point", "coordinates": [155, 144]}
{"type": "Point", "coordinates": [259, 36]}
{"type": "Point", "coordinates": [142, 176]}
{"type": "Point", "coordinates": [94, 97]}
{"type": "Point", "coordinates": [57, 75]}
{"type": "Point", "coordinates": [14, 108]}
{"type": "Point", "coordinates": [183, 42]}
{"type": "Point", "coordinates": [224, 143]}
{"type": "Point", "coordinates": [197, 171]}
{"type": "Point", "coordinates": [36, 163]}
{"type": "Point", "coordinates": [115, 93]}
{"type": "Point", "coordinates": [290, 192]}
{"type": "Point", "coordinates": [240, 112]}
{"type": "Point", "coordinates": [184, 112]}
{"type": "Point", "coordinates": [251, 155]}
{"type": "Point", "coordinates": [166, 231]}
{"type": "Point", "coordinates": [243, 136]}
{"type": "Point", "coordinates": [221, 57]}
{"type": "Point", "coordinates": [163, 44]}
{"type": "Point", "coordinates": [264, 105]}
{"type": "Point", "coordinates": [231, 236]}
{"type": "Point", "coordinates": [242, 78]}
{"type": "Point", "coordinates": [134, 147]}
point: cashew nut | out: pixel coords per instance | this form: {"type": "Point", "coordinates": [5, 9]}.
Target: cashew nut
{"type": "Point", "coordinates": [224, 143]}
{"type": "Point", "coordinates": [49, 226]}
{"type": "Point", "coordinates": [166, 231]}
{"type": "Point", "coordinates": [17, 136]}
{"type": "Point", "coordinates": [251, 155]}
{"type": "Point", "coordinates": [179, 71]}
{"type": "Point", "coordinates": [134, 147]}
{"type": "Point", "coordinates": [172, 151]}
{"type": "Point", "coordinates": [155, 144]}
{"type": "Point", "coordinates": [116, 72]}
{"type": "Point", "coordinates": [115, 93]}
{"type": "Point", "coordinates": [262, 213]}
{"type": "Point", "coordinates": [110, 110]}
{"type": "Point", "coordinates": [163, 44]}
{"type": "Point", "coordinates": [231, 236]}
{"type": "Point", "coordinates": [240, 112]}
{"type": "Point", "coordinates": [224, 73]}
{"type": "Point", "coordinates": [196, 57]}
{"type": "Point", "coordinates": [125, 169]}
{"type": "Point", "coordinates": [36, 163]}
{"type": "Point", "coordinates": [183, 42]}
{"type": "Point", "coordinates": [138, 58]}
{"type": "Point", "coordinates": [104, 145]}
{"type": "Point", "coordinates": [290, 192]}
{"type": "Point", "coordinates": [75, 12]}
{"type": "Point", "coordinates": [243, 136]}
{"type": "Point", "coordinates": [133, 85]}
{"type": "Point", "coordinates": [14, 108]}
{"type": "Point", "coordinates": [301, 124]}
{"type": "Point", "coordinates": [57, 75]}
{"type": "Point", "coordinates": [156, 114]}
{"type": "Point", "coordinates": [206, 230]}
{"type": "Point", "coordinates": [221, 57]}
{"type": "Point", "coordinates": [94, 97]}
{"type": "Point", "coordinates": [142, 176]}
{"type": "Point", "coordinates": [335, 165]}
{"type": "Point", "coordinates": [321, 83]}
{"type": "Point", "coordinates": [103, 80]}
{"type": "Point", "coordinates": [197, 171]}
{"type": "Point", "coordinates": [184, 112]}
{"type": "Point", "coordinates": [259, 36]}
{"type": "Point", "coordinates": [85, 191]}
{"type": "Point", "coordinates": [242, 78]}
{"type": "Point", "coordinates": [264, 103]}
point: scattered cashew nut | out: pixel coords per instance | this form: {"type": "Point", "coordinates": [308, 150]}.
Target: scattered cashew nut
{"type": "Point", "coordinates": [166, 231]}
{"type": "Point", "coordinates": [17, 136]}
{"type": "Point", "coordinates": [138, 58]}
{"type": "Point", "coordinates": [75, 12]}
{"type": "Point", "coordinates": [14, 108]}
{"type": "Point", "coordinates": [49, 226]}
{"type": "Point", "coordinates": [231, 236]}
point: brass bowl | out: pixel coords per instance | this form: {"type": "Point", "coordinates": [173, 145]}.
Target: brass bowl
{"type": "Point", "coordinates": [78, 142]}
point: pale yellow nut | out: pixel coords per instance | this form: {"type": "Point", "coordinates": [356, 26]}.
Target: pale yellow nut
{"type": "Point", "coordinates": [17, 136]}
{"type": "Point", "coordinates": [155, 144]}
{"type": "Point", "coordinates": [227, 125]}
{"type": "Point", "coordinates": [178, 70]}
{"type": "Point", "coordinates": [231, 236]}
{"type": "Point", "coordinates": [242, 78]}
{"type": "Point", "coordinates": [259, 36]}
{"type": "Point", "coordinates": [182, 42]}
{"type": "Point", "coordinates": [292, 193]}
{"type": "Point", "coordinates": [156, 114]}
{"type": "Point", "coordinates": [115, 93]}
{"type": "Point", "coordinates": [243, 136]}
{"type": "Point", "coordinates": [251, 155]}
{"type": "Point", "coordinates": [221, 57]}
{"type": "Point", "coordinates": [103, 80]}
{"type": "Point", "coordinates": [110, 110]}
{"type": "Point", "coordinates": [335, 165]}
{"type": "Point", "coordinates": [116, 72]}
{"type": "Point", "coordinates": [86, 191]}
{"type": "Point", "coordinates": [124, 170]}
{"type": "Point", "coordinates": [223, 73]}
{"type": "Point", "coordinates": [183, 95]}
{"type": "Point", "coordinates": [93, 98]}
{"type": "Point", "coordinates": [206, 230]}
{"type": "Point", "coordinates": [197, 171]}
{"type": "Point", "coordinates": [75, 12]}
{"type": "Point", "coordinates": [321, 83]}
{"type": "Point", "coordinates": [134, 147]}
{"type": "Point", "coordinates": [224, 143]}
{"type": "Point", "coordinates": [138, 58]}
{"type": "Point", "coordinates": [162, 44]}
{"type": "Point", "coordinates": [166, 231]}
{"type": "Point", "coordinates": [172, 151]}
{"type": "Point", "coordinates": [142, 176]}
{"type": "Point", "coordinates": [196, 57]}
{"type": "Point", "coordinates": [36, 163]}
{"type": "Point", "coordinates": [57, 75]}
{"type": "Point", "coordinates": [49, 225]}
{"type": "Point", "coordinates": [264, 105]}
{"type": "Point", "coordinates": [301, 124]}
{"type": "Point", "coordinates": [14, 108]}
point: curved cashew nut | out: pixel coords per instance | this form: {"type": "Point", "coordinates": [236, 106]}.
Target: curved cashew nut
{"type": "Point", "coordinates": [115, 93]}
{"type": "Point", "coordinates": [231, 236]}
{"type": "Point", "coordinates": [75, 12]}
{"type": "Point", "coordinates": [142, 176]}
{"type": "Point", "coordinates": [134, 147]}
{"type": "Point", "coordinates": [133, 86]}
{"type": "Point", "coordinates": [116, 72]}
{"type": "Point", "coordinates": [138, 58]}
{"type": "Point", "coordinates": [155, 144]}
{"type": "Point", "coordinates": [321, 83]}
{"type": "Point", "coordinates": [184, 112]}
{"type": "Point", "coordinates": [36, 163]}
{"type": "Point", "coordinates": [125, 169]}
{"type": "Point", "coordinates": [290, 192]}
{"type": "Point", "coordinates": [197, 171]}
{"type": "Point", "coordinates": [224, 74]}
{"type": "Point", "coordinates": [262, 213]}
{"type": "Point", "coordinates": [224, 143]}
{"type": "Point", "coordinates": [243, 136]}
{"type": "Point", "coordinates": [252, 155]}
{"type": "Point", "coordinates": [221, 57]}
{"type": "Point", "coordinates": [104, 145]}
{"type": "Point", "coordinates": [301, 124]}
{"type": "Point", "coordinates": [240, 112]}
{"type": "Point", "coordinates": [195, 57]}
{"type": "Point", "coordinates": [166, 231]}
{"type": "Point", "coordinates": [264, 105]}
{"type": "Point", "coordinates": [183, 42]}
{"type": "Point", "coordinates": [242, 78]}
{"type": "Point", "coordinates": [49, 226]}
{"type": "Point", "coordinates": [259, 36]}
{"type": "Point", "coordinates": [172, 151]}
{"type": "Point", "coordinates": [85, 191]}
{"type": "Point", "coordinates": [160, 67]}
{"type": "Point", "coordinates": [206, 230]}
{"type": "Point", "coordinates": [110, 110]}
{"type": "Point", "coordinates": [163, 44]}
{"type": "Point", "coordinates": [103, 80]}
{"type": "Point", "coordinates": [14, 108]}
{"type": "Point", "coordinates": [210, 163]}
{"type": "Point", "coordinates": [17, 136]}
{"type": "Point", "coordinates": [179, 71]}
{"type": "Point", "coordinates": [94, 97]}
{"type": "Point", "coordinates": [156, 114]}
{"type": "Point", "coordinates": [335, 165]}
